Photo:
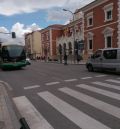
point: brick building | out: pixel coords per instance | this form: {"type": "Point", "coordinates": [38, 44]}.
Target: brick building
{"type": "Point", "coordinates": [71, 33]}
{"type": "Point", "coordinates": [101, 25]}
{"type": "Point", "coordinates": [48, 39]}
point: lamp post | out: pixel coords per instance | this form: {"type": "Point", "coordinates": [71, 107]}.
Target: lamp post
{"type": "Point", "coordinates": [73, 32]}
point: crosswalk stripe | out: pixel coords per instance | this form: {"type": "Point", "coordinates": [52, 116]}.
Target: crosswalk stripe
{"type": "Point", "coordinates": [34, 119]}
{"type": "Point", "coordinates": [70, 80]}
{"type": "Point", "coordinates": [31, 87]}
{"type": "Point", "coordinates": [100, 75]}
{"type": "Point", "coordinates": [107, 85]}
{"type": "Point", "coordinates": [79, 118]}
{"type": "Point", "coordinates": [115, 81]}
{"type": "Point", "coordinates": [86, 78]}
{"type": "Point", "coordinates": [110, 109]}
{"type": "Point", "coordinates": [100, 91]}
{"type": "Point", "coordinates": [52, 83]}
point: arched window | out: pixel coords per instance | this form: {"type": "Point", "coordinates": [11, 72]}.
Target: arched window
{"type": "Point", "coordinates": [70, 47]}
{"type": "Point", "coordinates": [60, 49]}
{"type": "Point", "coordinates": [90, 40]}
{"type": "Point", "coordinates": [64, 48]}
{"type": "Point", "coordinates": [108, 34]}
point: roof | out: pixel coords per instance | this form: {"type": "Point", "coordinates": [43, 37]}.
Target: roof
{"type": "Point", "coordinates": [92, 4]}
{"type": "Point", "coordinates": [12, 42]}
{"type": "Point", "coordinates": [55, 26]}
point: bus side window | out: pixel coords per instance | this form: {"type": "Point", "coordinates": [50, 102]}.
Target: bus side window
{"type": "Point", "coordinates": [0, 52]}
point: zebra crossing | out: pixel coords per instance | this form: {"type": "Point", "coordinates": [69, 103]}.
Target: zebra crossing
{"type": "Point", "coordinates": [82, 119]}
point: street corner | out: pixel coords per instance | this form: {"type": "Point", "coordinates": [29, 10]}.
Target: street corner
{"type": "Point", "coordinates": [8, 117]}
{"type": "Point", "coordinates": [2, 125]}
{"type": "Point", "coordinates": [6, 85]}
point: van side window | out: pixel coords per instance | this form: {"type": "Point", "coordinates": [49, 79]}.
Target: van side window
{"type": "Point", "coordinates": [97, 54]}
{"type": "Point", "coordinates": [110, 54]}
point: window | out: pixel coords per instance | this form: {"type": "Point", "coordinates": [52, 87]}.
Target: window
{"type": "Point", "coordinates": [70, 48]}
{"type": "Point", "coordinates": [90, 19]}
{"type": "Point", "coordinates": [47, 36]}
{"type": "Point", "coordinates": [90, 40]}
{"type": "Point", "coordinates": [90, 44]}
{"type": "Point", "coordinates": [110, 54]}
{"type": "Point", "coordinates": [108, 12]}
{"type": "Point", "coordinates": [109, 15]}
{"type": "Point", "coordinates": [109, 41]}
{"type": "Point", "coordinates": [97, 54]}
{"type": "Point", "coordinates": [64, 48]}
{"type": "Point", "coordinates": [108, 34]}
{"type": "Point", "coordinates": [42, 37]}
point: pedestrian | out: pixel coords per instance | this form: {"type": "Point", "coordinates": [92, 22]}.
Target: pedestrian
{"type": "Point", "coordinates": [65, 59]}
{"type": "Point", "coordinates": [78, 58]}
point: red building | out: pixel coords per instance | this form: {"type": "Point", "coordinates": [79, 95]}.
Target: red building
{"type": "Point", "coordinates": [48, 39]}
{"type": "Point", "coordinates": [100, 25]}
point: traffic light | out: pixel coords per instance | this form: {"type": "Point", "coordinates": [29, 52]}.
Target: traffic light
{"type": "Point", "coordinates": [13, 35]}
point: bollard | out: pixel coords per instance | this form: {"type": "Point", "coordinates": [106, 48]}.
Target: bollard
{"type": "Point", "coordinates": [24, 123]}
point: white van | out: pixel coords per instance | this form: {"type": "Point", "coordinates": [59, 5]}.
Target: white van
{"type": "Point", "coordinates": [104, 59]}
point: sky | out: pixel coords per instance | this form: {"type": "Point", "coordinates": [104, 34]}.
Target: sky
{"type": "Point", "coordinates": [23, 16]}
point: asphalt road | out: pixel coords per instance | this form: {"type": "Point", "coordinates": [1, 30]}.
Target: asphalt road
{"type": "Point", "coordinates": [55, 96]}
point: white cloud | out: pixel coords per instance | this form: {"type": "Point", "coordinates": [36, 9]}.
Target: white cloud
{"type": "Point", "coordinates": [3, 34]}
{"type": "Point", "coordinates": [56, 14]}
{"type": "Point", "coordinates": [4, 30]}
{"type": "Point", "coordinates": [53, 7]}
{"type": "Point", "coordinates": [21, 29]}
{"type": "Point", "coordinates": [11, 7]}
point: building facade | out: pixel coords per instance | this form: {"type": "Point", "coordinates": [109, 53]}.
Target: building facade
{"type": "Point", "coordinates": [48, 39]}
{"type": "Point", "coordinates": [72, 37]}
{"type": "Point", "coordinates": [33, 44]}
{"type": "Point", "coordinates": [101, 29]}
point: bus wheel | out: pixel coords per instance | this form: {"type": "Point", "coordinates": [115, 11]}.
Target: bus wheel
{"type": "Point", "coordinates": [90, 68]}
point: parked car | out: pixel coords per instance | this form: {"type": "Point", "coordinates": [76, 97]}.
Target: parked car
{"type": "Point", "coordinates": [28, 61]}
{"type": "Point", "coordinates": [104, 59]}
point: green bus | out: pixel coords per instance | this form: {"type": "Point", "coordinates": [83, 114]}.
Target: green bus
{"type": "Point", "coordinates": [12, 56]}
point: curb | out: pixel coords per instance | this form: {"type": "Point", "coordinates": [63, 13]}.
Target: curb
{"type": "Point", "coordinates": [8, 118]}
{"type": "Point", "coordinates": [80, 63]}
{"type": "Point", "coordinates": [9, 115]}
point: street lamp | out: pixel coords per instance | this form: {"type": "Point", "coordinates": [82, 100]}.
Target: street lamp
{"type": "Point", "coordinates": [73, 31]}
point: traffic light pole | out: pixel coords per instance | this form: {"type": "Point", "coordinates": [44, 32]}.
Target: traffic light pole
{"type": "Point", "coordinates": [13, 34]}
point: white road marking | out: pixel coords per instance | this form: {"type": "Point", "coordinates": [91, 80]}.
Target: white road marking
{"type": "Point", "coordinates": [107, 85]}
{"type": "Point", "coordinates": [86, 78]}
{"type": "Point", "coordinates": [70, 80]}
{"type": "Point", "coordinates": [52, 83]}
{"type": "Point", "coordinates": [34, 119]}
{"type": "Point", "coordinates": [100, 91]}
{"type": "Point", "coordinates": [115, 81]}
{"type": "Point", "coordinates": [100, 75]}
{"type": "Point", "coordinates": [115, 111]}
{"type": "Point", "coordinates": [7, 85]}
{"type": "Point", "coordinates": [79, 118]}
{"type": "Point", "coordinates": [31, 87]}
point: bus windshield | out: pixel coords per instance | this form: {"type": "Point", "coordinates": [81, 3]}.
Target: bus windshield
{"type": "Point", "coordinates": [13, 51]}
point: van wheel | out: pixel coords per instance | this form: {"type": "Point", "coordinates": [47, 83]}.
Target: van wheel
{"type": "Point", "coordinates": [90, 68]}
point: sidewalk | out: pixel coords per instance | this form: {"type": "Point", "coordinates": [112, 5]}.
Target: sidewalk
{"type": "Point", "coordinates": [8, 118]}
{"type": "Point", "coordinates": [82, 62]}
